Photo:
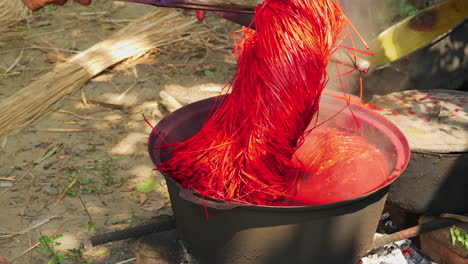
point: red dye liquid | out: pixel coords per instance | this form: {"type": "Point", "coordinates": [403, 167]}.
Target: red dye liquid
{"type": "Point", "coordinates": [244, 152]}
{"type": "Point", "coordinates": [336, 166]}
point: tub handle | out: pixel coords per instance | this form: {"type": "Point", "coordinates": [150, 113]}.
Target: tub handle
{"type": "Point", "coordinates": [189, 196]}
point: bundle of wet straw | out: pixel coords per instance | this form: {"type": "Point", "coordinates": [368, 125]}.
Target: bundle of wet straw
{"type": "Point", "coordinates": [244, 151]}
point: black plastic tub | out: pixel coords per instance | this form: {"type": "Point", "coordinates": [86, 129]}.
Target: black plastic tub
{"type": "Point", "coordinates": [336, 233]}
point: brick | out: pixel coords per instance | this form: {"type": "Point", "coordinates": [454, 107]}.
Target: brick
{"type": "Point", "coordinates": [437, 245]}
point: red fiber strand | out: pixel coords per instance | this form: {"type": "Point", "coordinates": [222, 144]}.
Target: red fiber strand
{"type": "Point", "coordinates": [154, 129]}
{"type": "Point", "coordinates": [357, 33]}
{"type": "Point", "coordinates": [358, 50]}
{"type": "Point", "coordinates": [275, 95]}
{"type": "Point", "coordinates": [361, 87]}
{"type": "Point", "coordinates": [251, 149]}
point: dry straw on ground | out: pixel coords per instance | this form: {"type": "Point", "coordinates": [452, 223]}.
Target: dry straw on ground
{"type": "Point", "coordinates": [158, 28]}
{"type": "Point", "coordinates": [11, 12]}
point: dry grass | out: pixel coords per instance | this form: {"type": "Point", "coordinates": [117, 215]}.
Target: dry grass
{"type": "Point", "coordinates": [11, 12]}
{"type": "Point", "coordinates": [158, 28]}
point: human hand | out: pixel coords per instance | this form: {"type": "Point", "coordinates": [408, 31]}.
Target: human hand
{"type": "Point", "coordinates": [38, 4]}
{"type": "Point", "coordinates": [4, 260]}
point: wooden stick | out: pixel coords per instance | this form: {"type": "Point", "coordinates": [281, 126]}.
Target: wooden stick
{"type": "Point", "coordinates": [104, 104]}
{"type": "Point", "coordinates": [126, 261]}
{"type": "Point", "coordinates": [66, 189]}
{"type": "Point", "coordinates": [462, 218]}
{"type": "Point", "coordinates": [89, 215]}
{"type": "Point", "coordinates": [12, 234]}
{"type": "Point", "coordinates": [30, 252]}
{"type": "Point", "coordinates": [14, 63]}
{"type": "Point", "coordinates": [162, 223]}
{"type": "Point", "coordinates": [7, 179]}
{"type": "Point", "coordinates": [22, 177]}
{"type": "Point", "coordinates": [413, 231]}
{"type": "Point", "coordinates": [88, 117]}
{"type": "Point", "coordinates": [4, 142]}
{"type": "Point", "coordinates": [68, 130]}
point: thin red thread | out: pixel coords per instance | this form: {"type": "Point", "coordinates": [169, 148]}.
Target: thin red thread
{"type": "Point", "coordinates": [244, 151]}
{"type": "Point", "coordinates": [358, 50]}
{"type": "Point", "coordinates": [154, 129]}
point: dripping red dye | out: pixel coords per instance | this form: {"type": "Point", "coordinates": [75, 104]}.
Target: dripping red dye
{"type": "Point", "coordinates": [245, 150]}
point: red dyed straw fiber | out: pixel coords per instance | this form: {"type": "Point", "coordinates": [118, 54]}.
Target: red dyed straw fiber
{"type": "Point", "coordinates": [244, 151]}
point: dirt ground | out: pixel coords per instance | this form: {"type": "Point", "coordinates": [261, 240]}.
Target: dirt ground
{"type": "Point", "coordinates": [95, 153]}
{"type": "Point", "coordinates": [77, 172]}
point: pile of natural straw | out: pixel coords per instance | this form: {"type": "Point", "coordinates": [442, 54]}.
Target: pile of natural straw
{"type": "Point", "coordinates": [158, 28]}
{"type": "Point", "coordinates": [11, 12]}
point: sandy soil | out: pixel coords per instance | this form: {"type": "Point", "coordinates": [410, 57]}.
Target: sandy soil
{"type": "Point", "coordinates": [107, 160]}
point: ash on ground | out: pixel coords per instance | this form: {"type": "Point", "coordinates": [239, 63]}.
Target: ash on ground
{"type": "Point", "coordinates": [400, 252]}
{"type": "Point", "coordinates": [386, 225]}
